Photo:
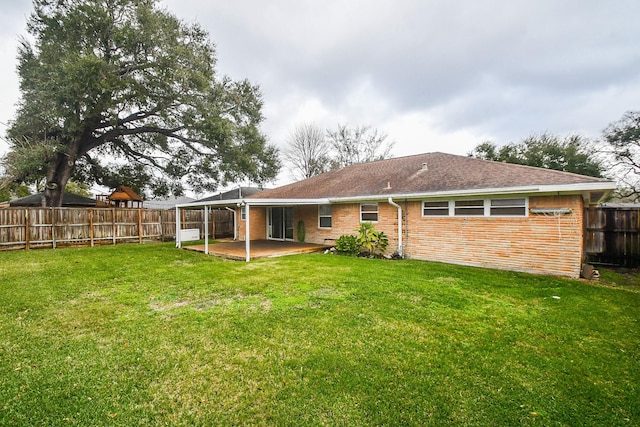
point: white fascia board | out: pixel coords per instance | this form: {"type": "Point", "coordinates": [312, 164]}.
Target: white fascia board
{"type": "Point", "coordinates": [286, 202]}
{"type": "Point", "coordinates": [256, 202]}
{"type": "Point", "coordinates": [586, 186]}
{"type": "Point", "coordinates": [230, 202]}
{"type": "Point", "coordinates": [541, 189]}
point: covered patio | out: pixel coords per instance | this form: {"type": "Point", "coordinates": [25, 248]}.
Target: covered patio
{"type": "Point", "coordinates": [277, 242]}
{"type": "Point", "coordinates": [236, 250]}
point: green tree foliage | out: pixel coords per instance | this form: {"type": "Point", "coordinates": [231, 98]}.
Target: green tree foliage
{"type": "Point", "coordinates": [79, 188]}
{"type": "Point", "coordinates": [622, 139]}
{"type": "Point", "coordinates": [569, 154]}
{"type": "Point", "coordinates": [122, 85]}
{"type": "Point", "coordinates": [13, 191]}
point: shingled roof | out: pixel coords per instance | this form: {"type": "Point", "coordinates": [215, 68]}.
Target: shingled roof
{"type": "Point", "coordinates": [68, 200]}
{"type": "Point", "coordinates": [236, 193]}
{"type": "Point", "coordinates": [424, 174]}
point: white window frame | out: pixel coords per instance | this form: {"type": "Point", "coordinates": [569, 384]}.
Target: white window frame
{"type": "Point", "coordinates": [424, 208]}
{"type": "Point", "coordinates": [487, 205]}
{"type": "Point", "coordinates": [377, 212]}
{"type": "Point", "coordinates": [321, 215]}
{"type": "Point", "coordinates": [483, 205]}
{"type": "Point", "coordinates": [525, 207]}
{"type": "Point", "coordinates": [243, 213]}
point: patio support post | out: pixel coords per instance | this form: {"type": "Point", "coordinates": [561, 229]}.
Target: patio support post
{"type": "Point", "coordinates": [206, 230]}
{"type": "Point", "coordinates": [177, 227]}
{"type": "Point", "coordinates": [247, 233]}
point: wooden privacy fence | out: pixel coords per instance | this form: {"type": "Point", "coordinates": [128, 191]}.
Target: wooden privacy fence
{"type": "Point", "coordinates": [27, 228]}
{"type": "Point", "coordinates": [612, 236]}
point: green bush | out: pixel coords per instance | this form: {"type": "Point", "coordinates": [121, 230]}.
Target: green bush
{"type": "Point", "coordinates": [347, 245]}
{"type": "Point", "coordinates": [372, 241]}
{"type": "Point", "coordinates": [367, 242]}
{"type": "Point", "coordinates": [301, 231]}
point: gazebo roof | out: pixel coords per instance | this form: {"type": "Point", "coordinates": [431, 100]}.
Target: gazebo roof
{"type": "Point", "coordinates": [123, 192]}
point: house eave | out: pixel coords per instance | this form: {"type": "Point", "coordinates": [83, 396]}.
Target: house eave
{"type": "Point", "coordinates": [579, 188]}
{"type": "Point", "coordinates": [540, 189]}
{"type": "Point", "coordinates": [256, 202]}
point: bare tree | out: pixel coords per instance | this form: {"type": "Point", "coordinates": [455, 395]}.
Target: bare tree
{"type": "Point", "coordinates": [358, 145]}
{"type": "Point", "coordinates": [622, 144]}
{"type": "Point", "coordinates": [307, 151]}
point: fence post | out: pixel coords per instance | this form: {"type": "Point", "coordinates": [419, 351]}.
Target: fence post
{"type": "Point", "coordinates": [27, 230]}
{"type": "Point", "coordinates": [91, 226]}
{"type": "Point", "coordinates": [139, 225]}
{"type": "Point", "coordinates": [113, 223]}
{"type": "Point", "coordinates": [53, 227]}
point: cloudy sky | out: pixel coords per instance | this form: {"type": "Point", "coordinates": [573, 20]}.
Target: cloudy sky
{"type": "Point", "coordinates": [434, 75]}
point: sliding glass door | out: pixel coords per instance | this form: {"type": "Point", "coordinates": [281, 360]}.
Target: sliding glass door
{"type": "Point", "coordinates": [280, 223]}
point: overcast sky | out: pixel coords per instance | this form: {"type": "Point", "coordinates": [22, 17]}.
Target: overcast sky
{"type": "Point", "coordinates": [433, 75]}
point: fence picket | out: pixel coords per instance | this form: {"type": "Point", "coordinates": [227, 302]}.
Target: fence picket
{"type": "Point", "coordinates": [30, 228]}
{"type": "Point", "coordinates": [612, 236]}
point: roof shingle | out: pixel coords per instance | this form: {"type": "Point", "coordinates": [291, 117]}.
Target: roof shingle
{"type": "Point", "coordinates": [422, 173]}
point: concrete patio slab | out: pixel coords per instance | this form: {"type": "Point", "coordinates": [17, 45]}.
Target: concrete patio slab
{"type": "Point", "coordinates": [259, 249]}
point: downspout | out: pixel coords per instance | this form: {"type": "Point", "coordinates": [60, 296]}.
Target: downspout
{"type": "Point", "coordinates": [394, 204]}
{"type": "Point", "coordinates": [235, 227]}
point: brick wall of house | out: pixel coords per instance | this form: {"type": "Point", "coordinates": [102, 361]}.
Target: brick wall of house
{"type": "Point", "coordinates": [258, 218]}
{"type": "Point", "coordinates": [313, 233]}
{"type": "Point", "coordinates": [537, 243]}
{"type": "Point", "coordinates": [346, 220]}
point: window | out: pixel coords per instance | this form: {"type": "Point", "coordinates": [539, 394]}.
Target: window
{"type": "Point", "coordinates": [369, 212]}
{"type": "Point", "coordinates": [508, 207]}
{"type": "Point", "coordinates": [324, 216]}
{"type": "Point", "coordinates": [243, 213]}
{"type": "Point", "coordinates": [435, 208]}
{"type": "Point", "coordinates": [469, 208]}
{"type": "Point", "coordinates": [478, 207]}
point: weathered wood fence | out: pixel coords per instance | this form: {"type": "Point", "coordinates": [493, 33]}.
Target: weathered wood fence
{"type": "Point", "coordinates": [612, 236]}
{"type": "Point", "coordinates": [30, 228]}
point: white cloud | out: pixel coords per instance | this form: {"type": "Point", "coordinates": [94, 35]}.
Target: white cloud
{"type": "Point", "coordinates": [433, 75]}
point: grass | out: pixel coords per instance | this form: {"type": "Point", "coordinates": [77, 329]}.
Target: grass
{"type": "Point", "coordinates": [151, 335]}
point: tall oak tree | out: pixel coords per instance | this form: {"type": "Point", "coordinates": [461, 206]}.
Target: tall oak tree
{"type": "Point", "coordinates": [123, 85]}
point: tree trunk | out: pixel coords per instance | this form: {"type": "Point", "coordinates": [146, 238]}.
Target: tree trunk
{"type": "Point", "coordinates": [58, 174]}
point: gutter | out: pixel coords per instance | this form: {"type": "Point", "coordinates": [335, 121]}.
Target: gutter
{"type": "Point", "coordinates": [540, 190]}
{"type": "Point", "coordinates": [535, 189]}
{"type": "Point", "coordinates": [392, 203]}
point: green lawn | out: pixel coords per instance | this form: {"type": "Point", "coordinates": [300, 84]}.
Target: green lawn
{"type": "Point", "coordinates": [152, 335]}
